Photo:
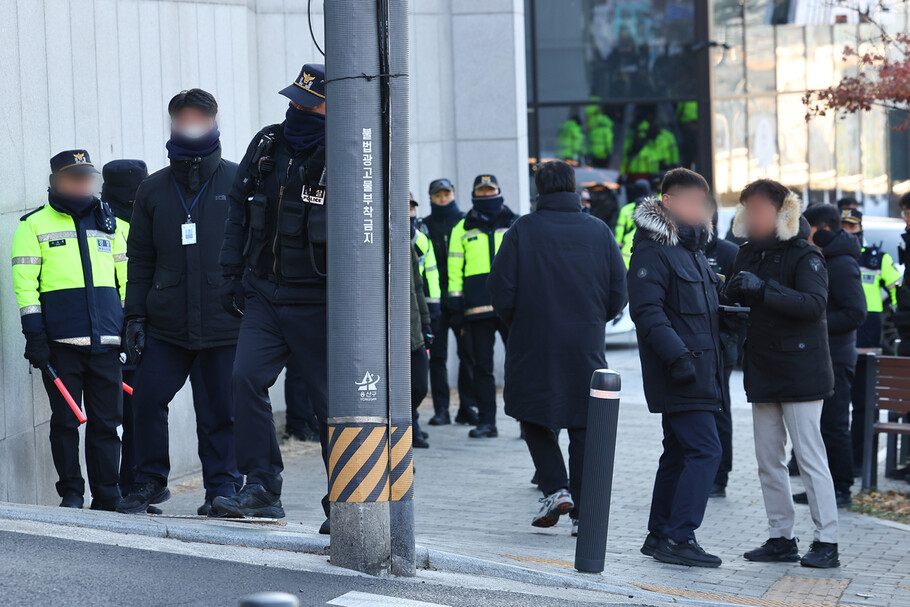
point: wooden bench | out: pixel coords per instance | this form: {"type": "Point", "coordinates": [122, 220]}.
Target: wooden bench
{"type": "Point", "coordinates": [887, 389]}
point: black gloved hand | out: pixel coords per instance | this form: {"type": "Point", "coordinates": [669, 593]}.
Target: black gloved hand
{"type": "Point", "coordinates": [746, 287]}
{"type": "Point", "coordinates": [428, 336]}
{"type": "Point", "coordinates": [135, 340]}
{"type": "Point", "coordinates": [682, 371]}
{"type": "Point", "coordinates": [233, 296]}
{"type": "Point", "coordinates": [37, 350]}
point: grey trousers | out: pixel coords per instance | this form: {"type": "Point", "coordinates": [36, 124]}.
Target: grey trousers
{"type": "Point", "coordinates": [771, 424]}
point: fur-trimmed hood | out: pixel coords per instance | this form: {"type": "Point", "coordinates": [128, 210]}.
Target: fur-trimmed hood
{"type": "Point", "coordinates": [651, 216]}
{"type": "Point", "coordinates": [788, 219]}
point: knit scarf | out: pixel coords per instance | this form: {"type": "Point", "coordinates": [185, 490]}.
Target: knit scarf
{"type": "Point", "coordinates": [488, 207]}
{"type": "Point", "coordinates": [181, 147]}
{"type": "Point", "coordinates": [303, 129]}
{"type": "Point", "coordinates": [446, 210]}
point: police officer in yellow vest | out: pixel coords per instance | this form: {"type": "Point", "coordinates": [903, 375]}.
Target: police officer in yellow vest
{"type": "Point", "coordinates": [880, 279]}
{"type": "Point", "coordinates": [69, 273]}
{"type": "Point", "coordinates": [473, 245]}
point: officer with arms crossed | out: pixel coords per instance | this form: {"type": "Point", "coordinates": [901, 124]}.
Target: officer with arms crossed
{"type": "Point", "coordinates": [67, 264]}
{"type": "Point", "coordinates": [274, 265]}
{"type": "Point", "coordinates": [175, 322]}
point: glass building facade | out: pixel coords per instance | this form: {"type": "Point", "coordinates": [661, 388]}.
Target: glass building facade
{"type": "Point", "coordinates": [639, 86]}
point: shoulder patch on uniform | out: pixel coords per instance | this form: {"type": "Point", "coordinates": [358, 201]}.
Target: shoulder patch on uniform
{"type": "Point", "coordinates": [30, 213]}
{"type": "Point", "coordinates": [642, 272]}
{"type": "Point", "coordinates": [815, 263]}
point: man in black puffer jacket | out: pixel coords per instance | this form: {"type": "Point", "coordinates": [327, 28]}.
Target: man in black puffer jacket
{"type": "Point", "coordinates": [173, 317]}
{"type": "Point", "coordinates": [787, 364]}
{"type": "Point", "coordinates": [846, 312]}
{"type": "Point", "coordinates": [674, 303]}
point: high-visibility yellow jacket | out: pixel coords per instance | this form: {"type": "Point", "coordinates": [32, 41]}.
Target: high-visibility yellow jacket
{"type": "Point", "coordinates": [69, 275]}
{"type": "Point", "coordinates": [625, 231]}
{"type": "Point", "coordinates": [878, 273]}
{"type": "Point", "coordinates": [472, 248]}
{"type": "Point", "coordinates": [428, 268]}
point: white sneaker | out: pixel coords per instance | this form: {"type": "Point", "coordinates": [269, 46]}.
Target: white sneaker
{"type": "Point", "coordinates": [574, 527]}
{"type": "Point", "coordinates": [552, 507]}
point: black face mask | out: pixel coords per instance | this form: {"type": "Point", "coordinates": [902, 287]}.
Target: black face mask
{"type": "Point", "coordinates": [860, 238]}
{"type": "Point", "coordinates": [78, 205]}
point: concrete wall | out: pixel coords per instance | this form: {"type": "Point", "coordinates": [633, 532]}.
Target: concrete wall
{"type": "Point", "coordinates": [98, 74]}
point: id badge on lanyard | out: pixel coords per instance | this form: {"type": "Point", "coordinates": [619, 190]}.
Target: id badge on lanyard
{"type": "Point", "coordinates": [188, 228]}
{"type": "Point", "coordinates": [188, 232]}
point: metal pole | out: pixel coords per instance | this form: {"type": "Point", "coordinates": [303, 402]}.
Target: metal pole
{"type": "Point", "coordinates": [357, 299]}
{"type": "Point", "coordinates": [597, 479]}
{"type": "Point", "coordinates": [401, 471]}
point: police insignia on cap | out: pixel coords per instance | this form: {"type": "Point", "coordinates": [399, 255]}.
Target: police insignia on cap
{"type": "Point", "coordinates": [307, 80]}
{"type": "Point", "coordinates": [79, 157]}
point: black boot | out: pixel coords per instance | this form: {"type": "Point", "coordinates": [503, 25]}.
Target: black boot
{"type": "Point", "coordinates": [440, 419]}
{"type": "Point", "coordinates": [72, 500]}
{"type": "Point", "coordinates": [142, 497]}
{"type": "Point", "coordinates": [821, 555]}
{"type": "Point", "coordinates": [466, 416]}
{"type": "Point", "coordinates": [775, 550]}
{"type": "Point", "coordinates": [253, 500]}
{"type": "Point", "coordinates": [484, 431]}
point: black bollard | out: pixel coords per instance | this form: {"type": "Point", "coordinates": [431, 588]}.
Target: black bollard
{"type": "Point", "coordinates": [597, 482]}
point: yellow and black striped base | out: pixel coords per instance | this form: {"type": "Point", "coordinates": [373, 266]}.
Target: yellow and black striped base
{"type": "Point", "coordinates": [402, 464]}
{"type": "Point", "coordinates": [358, 463]}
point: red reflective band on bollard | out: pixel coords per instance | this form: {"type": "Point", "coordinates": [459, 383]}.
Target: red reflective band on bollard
{"type": "Point", "coordinates": [597, 476]}
{"type": "Point", "coordinates": [66, 394]}
{"type": "Point", "coordinates": [127, 388]}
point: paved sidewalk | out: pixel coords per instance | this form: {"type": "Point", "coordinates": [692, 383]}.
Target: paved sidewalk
{"type": "Point", "coordinates": [474, 498]}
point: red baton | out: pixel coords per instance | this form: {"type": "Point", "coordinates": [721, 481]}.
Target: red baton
{"type": "Point", "coordinates": [66, 394]}
{"type": "Point", "coordinates": [127, 388]}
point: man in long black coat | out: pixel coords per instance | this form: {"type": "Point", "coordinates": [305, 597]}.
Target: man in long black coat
{"type": "Point", "coordinates": [557, 280]}
{"type": "Point", "coordinates": [674, 302]}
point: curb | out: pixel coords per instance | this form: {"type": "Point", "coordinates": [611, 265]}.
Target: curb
{"type": "Point", "coordinates": [225, 532]}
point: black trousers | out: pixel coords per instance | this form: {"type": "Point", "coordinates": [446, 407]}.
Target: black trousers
{"type": "Point", "coordinates": [724, 421]}
{"type": "Point", "coordinates": [299, 415]}
{"type": "Point", "coordinates": [162, 372]}
{"type": "Point", "coordinates": [439, 374]}
{"type": "Point", "coordinates": [269, 335]}
{"type": "Point", "coordinates": [483, 339]}
{"type": "Point", "coordinates": [685, 474]}
{"type": "Point", "coordinates": [420, 366]}
{"type": "Point", "coordinates": [543, 443]}
{"type": "Point", "coordinates": [95, 380]}
{"type": "Point", "coordinates": [835, 424]}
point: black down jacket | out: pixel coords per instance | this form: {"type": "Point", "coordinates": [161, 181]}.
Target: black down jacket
{"type": "Point", "coordinates": [673, 301]}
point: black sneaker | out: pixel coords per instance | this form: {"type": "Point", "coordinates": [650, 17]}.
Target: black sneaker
{"type": "Point", "coordinates": [139, 499]}
{"type": "Point", "coordinates": [821, 555]}
{"type": "Point", "coordinates": [843, 499]}
{"type": "Point", "coordinates": [775, 550]}
{"type": "Point", "coordinates": [466, 416]}
{"type": "Point", "coordinates": [72, 500]}
{"type": "Point", "coordinates": [650, 545]}
{"type": "Point", "coordinates": [689, 554]}
{"type": "Point", "coordinates": [326, 527]}
{"type": "Point", "coordinates": [205, 509]}
{"type": "Point", "coordinates": [484, 431]}
{"type": "Point", "coordinates": [420, 442]}
{"type": "Point", "coordinates": [718, 490]}
{"type": "Point", "coordinates": [253, 500]}
{"type": "Point", "coordinates": [801, 498]}
{"type": "Point", "coordinates": [440, 419]}
{"type": "Point", "coordinates": [104, 505]}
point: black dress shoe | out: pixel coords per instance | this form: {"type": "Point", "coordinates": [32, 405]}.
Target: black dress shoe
{"type": "Point", "coordinates": [718, 490]}
{"type": "Point", "coordinates": [775, 550]}
{"type": "Point", "coordinates": [792, 467]}
{"type": "Point", "coordinates": [72, 500]}
{"type": "Point", "coordinates": [104, 505]}
{"type": "Point", "coordinates": [821, 555]}
{"type": "Point", "coordinates": [253, 500]}
{"type": "Point", "coordinates": [142, 497]}
{"type": "Point", "coordinates": [688, 553]}
{"type": "Point", "coordinates": [650, 545]}
{"type": "Point", "coordinates": [843, 499]}
{"type": "Point", "coordinates": [205, 509]}
{"type": "Point", "coordinates": [440, 419]}
{"type": "Point", "coordinates": [326, 527]}
{"type": "Point", "coordinates": [484, 431]}
{"type": "Point", "coordinates": [420, 442]}
{"type": "Point", "coordinates": [466, 416]}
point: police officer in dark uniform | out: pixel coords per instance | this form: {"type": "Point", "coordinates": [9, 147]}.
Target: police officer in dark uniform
{"type": "Point", "coordinates": [274, 265]}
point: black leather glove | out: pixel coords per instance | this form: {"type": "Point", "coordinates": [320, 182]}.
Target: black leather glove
{"type": "Point", "coordinates": [428, 336]}
{"type": "Point", "coordinates": [233, 296]}
{"type": "Point", "coordinates": [135, 340]}
{"type": "Point", "coordinates": [746, 287]}
{"type": "Point", "coordinates": [37, 351]}
{"type": "Point", "coordinates": [682, 371]}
